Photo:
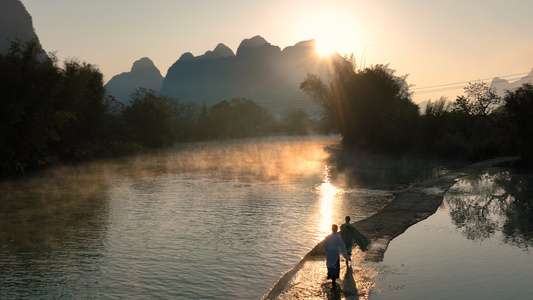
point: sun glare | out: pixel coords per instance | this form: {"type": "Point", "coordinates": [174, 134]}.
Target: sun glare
{"type": "Point", "coordinates": [324, 48]}
{"type": "Point", "coordinates": [333, 31]}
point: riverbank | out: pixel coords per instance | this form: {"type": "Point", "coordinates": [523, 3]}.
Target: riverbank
{"type": "Point", "coordinates": [307, 279]}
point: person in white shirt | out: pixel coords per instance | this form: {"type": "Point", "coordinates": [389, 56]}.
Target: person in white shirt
{"type": "Point", "coordinates": [333, 245]}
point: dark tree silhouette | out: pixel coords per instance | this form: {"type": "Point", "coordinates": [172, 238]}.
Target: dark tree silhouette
{"type": "Point", "coordinates": [152, 120]}
{"type": "Point", "coordinates": [29, 123]}
{"type": "Point", "coordinates": [238, 118]}
{"type": "Point", "coordinates": [296, 122]}
{"type": "Point", "coordinates": [480, 100]}
{"type": "Point", "coordinates": [519, 119]}
{"type": "Point", "coordinates": [371, 108]}
{"type": "Point", "coordinates": [83, 96]}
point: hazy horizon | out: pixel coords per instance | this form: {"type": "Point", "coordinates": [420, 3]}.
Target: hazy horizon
{"type": "Point", "coordinates": [434, 43]}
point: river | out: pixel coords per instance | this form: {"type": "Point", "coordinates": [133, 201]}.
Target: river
{"type": "Point", "coordinates": [476, 246]}
{"type": "Point", "coordinates": [217, 220]}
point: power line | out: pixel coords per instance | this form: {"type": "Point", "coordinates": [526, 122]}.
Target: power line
{"type": "Point", "coordinates": [460, 85]}
{"type": "Point", "coordinates": [463, 82]}
{"type": "Point", "coordinates": [280, 104]}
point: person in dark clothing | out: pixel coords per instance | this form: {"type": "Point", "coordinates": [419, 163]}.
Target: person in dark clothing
{"type": "Point", "coordinates": [350, 235]}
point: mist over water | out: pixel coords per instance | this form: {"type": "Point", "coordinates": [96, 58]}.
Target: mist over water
{"type": "Point", "coordinates": [199, 221]}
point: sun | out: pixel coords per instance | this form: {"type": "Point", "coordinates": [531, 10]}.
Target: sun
{"type": "Point", "coordinates": [332, 30]}
{"type": "Point", "coordinates": [324, 47]}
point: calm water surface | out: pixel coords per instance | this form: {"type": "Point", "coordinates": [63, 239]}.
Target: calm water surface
{"type": "Point", "coordinates": [477, 245]}
{"type": "Point", "coordinates": [199, 221]}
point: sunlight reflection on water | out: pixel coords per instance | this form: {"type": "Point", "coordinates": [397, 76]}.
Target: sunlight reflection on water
{"type": "Point", "coordinates": [328, 202]}
{"type": "Point", "coordinates": [199, 221]}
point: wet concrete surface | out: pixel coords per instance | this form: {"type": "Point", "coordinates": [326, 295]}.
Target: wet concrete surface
{"type": "Point", "coordinates": [307, 280]}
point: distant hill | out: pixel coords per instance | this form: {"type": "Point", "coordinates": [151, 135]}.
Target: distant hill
{"type": "Point", "coordinates": [15, 23]}
{"type": "Point", "coordinates": [501, 85]}
{"type": "Point", "coordinates": [258, 71]}
{"type": "Point", "coordinates": [143, 74]}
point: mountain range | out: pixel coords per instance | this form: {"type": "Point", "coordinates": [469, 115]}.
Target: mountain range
{"type": "Point", "coordinates": [501, 85]}
{"type": "Point", "coordinates": [259, 71]}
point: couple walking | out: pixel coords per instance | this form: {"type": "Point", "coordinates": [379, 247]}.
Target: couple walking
{"type": "Point", "coordinates": [333, 243]}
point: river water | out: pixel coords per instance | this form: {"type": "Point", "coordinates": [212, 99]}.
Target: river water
{"type": "Point", "coordinates": [476, 246]}
{"type": "Point", "coordinates": [221, 220]}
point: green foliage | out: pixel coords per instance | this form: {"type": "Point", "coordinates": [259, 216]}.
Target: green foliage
{"type": "Point", "coordinates": [439, 128]}
{"type": "Point", "coordinates": [152, 120]}
{"type": "Point", "coordinates": [238, 118]}
{"type": "Point", "coordinates": [466, 128]}
{"type": "Point", "coordinates": [482, 135]}
{"type": "Point", "coordinates": [439, 108]}
{"type": "Point", "coordinates": [480, 100]}
{"type": "Point", "coordinates": [519, 120]}
{"type": "Point", "coordinates": [203, 123]}
{"type": "Point", "coordinates": [187, 119]}
{"type": "Point", "coordinates": [323, 95]}
{"type": "Point", "coordinates": [53, 114]}
{"type": "Point", "coordinates": [296, 122]}
{"type": "Point", "coordinates": [370, 108]}
{"type": "Point", "coordinates": [28, 120]}
{"type": "Point", "coordinates": [83, 96]}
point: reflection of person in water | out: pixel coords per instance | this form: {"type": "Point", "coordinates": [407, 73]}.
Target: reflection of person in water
{"type": "Point", "coordinates": [350, 235]}
{"type": "Point", "coordinates": [332, 244]}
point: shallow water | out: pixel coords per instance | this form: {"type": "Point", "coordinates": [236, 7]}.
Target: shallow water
{"type": "Point", "coordinates": [199, 221]}
{"type": "Point", "coordinates": [477, 245]}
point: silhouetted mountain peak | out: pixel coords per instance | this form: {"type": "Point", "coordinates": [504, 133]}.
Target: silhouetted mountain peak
{"type": "Point", "coordinates": [309, 44]}
{"type": "Point", "coordinates": [256, 45]}
{"type": "Point", "coordinates": [15, 23]}
{"type": "Point", "coordinates": [143, 64]}
{"type": "Point", "coordinates": [254, 42]}
{"type": "Point", "coordinates": [502, 85]}
{"type": "Point", "coordinates": [220, 50]}
{"type": "Point", "coordinates": [143, 73]}
{"type": "Point", "coordinates": [303, 48]}
{"type": "Point", "coordinates": [186, 56]}
{"type": "Point", "coordinates": [259, 71]}
{"type": "Point", "coordinates": [498, 80]}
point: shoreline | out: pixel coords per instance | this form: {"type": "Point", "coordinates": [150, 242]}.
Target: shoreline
{"type": "Point", "coordinates": [408, 207]}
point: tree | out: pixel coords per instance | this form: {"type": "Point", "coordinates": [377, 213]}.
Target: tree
{"type": "Point", "coordinates": [29, 123]}
{"type": "Point", "coordinates": [296, 121]}
{"type": "Point", "coordinates": [83, 96]}
{"type": "Point", "coordinates": [480, 100]}
{"type": "Point", "coordinates": [203, 123]}
{"type": "Point", "coordinates": [187, 118]}
{"type": "Point", "coordinates": [519, 119]}
{"type": "Point", "coordinates": [439, 129]}
{"type": "Point", "coordinates": [152, 119]}
{"type": "Point", "coordinates": [371, 108]}
{"type": "Point", "coordinates": [238, 118]}
{"type": "Point", "coordinates": [438, 108]}
{"type": "Point", "coordinates": [477, 113]}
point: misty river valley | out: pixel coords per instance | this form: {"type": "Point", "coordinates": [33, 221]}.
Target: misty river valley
{"type": "Point", "coordinates": [225, 220]}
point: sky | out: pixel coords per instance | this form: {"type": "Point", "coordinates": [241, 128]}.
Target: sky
{"type": "Point", "coordinates": [440, 45]}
